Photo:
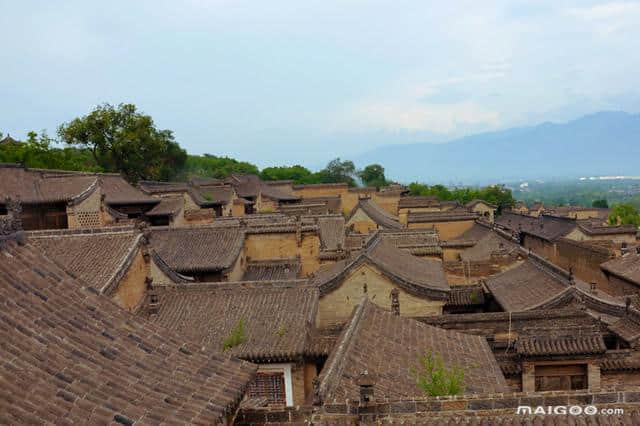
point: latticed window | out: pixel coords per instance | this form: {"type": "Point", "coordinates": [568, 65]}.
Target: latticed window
{"type": "Point", "coordinates": [269, 385]}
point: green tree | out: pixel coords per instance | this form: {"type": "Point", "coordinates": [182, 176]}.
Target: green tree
{"type": "Point", "coordinates": [338, 171]}
{"type": "Point", "coordinates": [601, 204]}
{"type": "Point", "coordinates": [624, 214]}
{"type": "Point", "coordinates": [295, 173]}
{"type": "Point", "coordinates": [437, 380]}
{"type": "Point", "coordinates": [373, 175]}
{"type": "Point", "coordinates": [208, 165]}
{"type": "Point", "coordinates": [124, 140]}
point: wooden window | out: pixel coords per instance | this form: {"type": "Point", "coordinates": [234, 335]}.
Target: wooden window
{"type": "Point", "coordinates": [561, 377]}
{"type": "Point", "coordinates": [269, 385]}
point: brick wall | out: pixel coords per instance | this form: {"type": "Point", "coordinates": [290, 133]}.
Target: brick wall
{"type": "Point", "coordinates": [450, 409]}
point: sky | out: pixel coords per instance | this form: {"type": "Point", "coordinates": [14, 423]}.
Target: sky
{"type": "Point", "coordinates": [302, 82]}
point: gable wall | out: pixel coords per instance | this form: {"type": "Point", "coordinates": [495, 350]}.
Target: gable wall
{"type": "Point", "coordinates": [483, 209]}
{"type": "Point", "coordinates": [387, 202]}
{"type": "Point", "coordinates": [362, 224]}
{"type": "Point", "coordinates": [337, 306]}
{"type": "Point", "coordinates": [87, 213]}
{"type": "Point", "coordinates": [132, 287]}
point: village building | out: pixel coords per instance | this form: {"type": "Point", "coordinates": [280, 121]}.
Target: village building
{"type": "Point", "coordinates": [367, 217]}
{"type": "Point", "coordinates": [271, 322]}
{"type": "Point", "coordinates": [204, 254]}
{"type": "Point", "coordinates": [449, 224]}
{"type": "Point", "coordinates": [420, 242]}
{"type": "Point", "coordinates": [71, 355]}
{"type": "Point", "coordinates": [587, 230]}
{"type": "Point", "coordinates": [59, 200]}
{"type": "Point", "coordinates": [111, 260]}
{"type": "Point", "coordinates": [374, 272]}
{"type": "Point", "coordinates": [623, 274]}
{"type": "Point", "coordinates": [478, 253]}
{"type": "Point", "coordinates": [384, 349]}
{"type": "Point", "coordinates": [485, 210]}
{"type": "Point", "coordinates": [8, 140]}
{"type": "Point", "coordinates": [578, 212]}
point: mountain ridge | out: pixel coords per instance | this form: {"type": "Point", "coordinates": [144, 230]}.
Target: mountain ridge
{"type": "Point", "coordinates": [602, 143]}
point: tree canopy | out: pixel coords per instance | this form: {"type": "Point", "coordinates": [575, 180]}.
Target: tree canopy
{"type": "Point", "coordinates": [624, 214]}
{"type": "Point", "coordinates": [494, 194]}
{"type": "Point", "coordinates": [601, 204]}
{"type": "Point", "coordinates": [295, 173]}
{"type": "Point", "coordinates": [125, 140]}
{"type": "Point", "coordinates": [373, 175]}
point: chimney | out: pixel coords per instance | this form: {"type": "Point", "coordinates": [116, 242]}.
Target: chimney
{"type": "Point", "coordinates": [592, 287]}
{"type": "Point", "coordinates": [154, 301]}
{"type": "Point", "coordinates": [624, 248]}
{"type": "Point", "coordinates": [395, 302]}
{"type": "Point", "coordinates": [365, 382]}
{"type": "Point", "coordinates": [627, 304]}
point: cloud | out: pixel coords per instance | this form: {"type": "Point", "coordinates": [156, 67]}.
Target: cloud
{"type": "Point", "coordinates": [418, 116]}
{"type": "Point", "coordinates": [607, 19]}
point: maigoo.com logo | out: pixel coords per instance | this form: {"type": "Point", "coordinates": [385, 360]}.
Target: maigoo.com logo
{"type": "Point", "coordinates": [566, 410]}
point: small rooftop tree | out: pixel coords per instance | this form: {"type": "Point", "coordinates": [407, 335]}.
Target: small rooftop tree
{"type": "Point", "coordinates": [437, 380]}
{"type": "Point", "coordinates": [236, 337]}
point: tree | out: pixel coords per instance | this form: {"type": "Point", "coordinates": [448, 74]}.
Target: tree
{"type": "Point", "coordinates": [601, 204]}
{"type": "Point", "coordinates": [373, 175]}
{"type": "Point", "coordinates": [295, 173]}
{"type": "Point", "coordinates": [437, 380]}
{"type": "Point", "coordinates": [338, 172]}
{"type": "Point", "coordinates": [121, 139]}
{"type": "Point", "coordinates": [624, 214]}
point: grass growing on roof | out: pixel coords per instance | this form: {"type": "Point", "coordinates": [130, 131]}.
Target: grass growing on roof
{"type": "Point", "coordinates": [236, 337]}
{"type": "Point", "coordinates": [437, 380]}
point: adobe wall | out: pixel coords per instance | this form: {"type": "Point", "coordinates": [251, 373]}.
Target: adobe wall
{"type": "Point", "coordinates": [267, 205]}
{"type": "Point", "coordinates": [539, 246]}
{"type": "Point", "coordinates": [286, 187]}
{"type": "Point", "coordinates": [87, 213]}
{"type": "Point", "coordinates": [157, 275]}
{"type": "Point", "coordinates": [267, 246]}
{"type": "Point", "coordinates": [584, 260]}
{"type": "Point", "coordinates": [237, 209]}
{"type": "Point", "coordinates": [237, 270]}
{"type": "Point", "coordinates": [361, 223]}
{"type": "Point", "coordinates": [311, 191]}
{"type": "Point", "coordinates": [387, 202]}
{"type": "Point", "coordinates": [446, 230]}
{"type": "Point", "coordinates": [337, 306]}
{"type": "Point", "coordinates": [132, 288]}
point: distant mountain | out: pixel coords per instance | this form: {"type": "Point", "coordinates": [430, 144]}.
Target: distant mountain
{"type": "Point", "coordinates": [604, 143]}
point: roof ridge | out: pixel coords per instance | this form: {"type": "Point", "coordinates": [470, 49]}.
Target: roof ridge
{"type": "Point", "coordinates": [336, 362]}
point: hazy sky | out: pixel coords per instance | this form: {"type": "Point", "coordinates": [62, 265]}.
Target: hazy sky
{"type": "Point", "coordinates": [305, 81]}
